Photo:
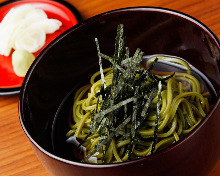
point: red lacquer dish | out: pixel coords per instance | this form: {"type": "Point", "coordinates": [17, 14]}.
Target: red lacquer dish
{"type": "Point", "coordinates": [10, 83]}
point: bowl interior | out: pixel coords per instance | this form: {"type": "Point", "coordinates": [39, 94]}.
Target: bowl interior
{"type": "Point", "coordinates": [71, 58]}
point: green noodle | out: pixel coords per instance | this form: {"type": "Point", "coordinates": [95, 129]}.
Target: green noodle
{"type": "Point", "coordinates": [170, 112]}
{"type": "Point", "coordinates": [178, 116]}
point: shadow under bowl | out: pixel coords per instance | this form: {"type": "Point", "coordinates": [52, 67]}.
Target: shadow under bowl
{"type": "Point", "coordinates": [68, 61]}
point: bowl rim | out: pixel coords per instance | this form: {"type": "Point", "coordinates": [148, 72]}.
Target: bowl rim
{"type": "Point", "coordinates": [83, 24]}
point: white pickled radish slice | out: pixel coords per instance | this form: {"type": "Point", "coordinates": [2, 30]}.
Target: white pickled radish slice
{"type": "Point", "coordinates": [15, 15]}
{"type": "Point", "coordinates": [21, 61]}
{"type": "Point", "coordinates": [49, 25]}
{"type": "Point", "coordinates": [5, 48]}
{"type": "Point", "coordinates": [32, 39]}
{"type": "Point", "coordinates": [8, 26]}
{"type": "Point", "coordinates": [25, 27]}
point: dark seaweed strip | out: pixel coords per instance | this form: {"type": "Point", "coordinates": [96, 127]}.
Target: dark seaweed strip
{"type": "Point", "coordinates": [107, 139]}
{"type": "Point", "coordinates": [104, 154]}
{"type": "Point", "coordinates": [141, 80]}
{"type": "Point", "coordinates": [123, 134]}
{"type": "Point", "coordinates": [137, 58]}
{"type": "Point", "coordinates": [125, 111]}
{"type": "Point", "coordinates": [159, 79]}
{"type": "Point", "coordinates": [126, 62]}
{"type": "Point", "coordinates": [110, 109]}
{"type": "Point", "coordinates": [98, 117]}
{"type": "Point", "coordinates": [127, 99]}
{"type": "Point", "coordinates": [126, 52]}
{"type": "Point", "coordinates": [100, 63]}
{"type": "Point", "coordinates": [132, 65]}
{"type": "Point", "coordinates": [152, 65]}
{"type": "Point", "coordinates": [114, 64]}
{"type": "Point", "coordinates": [129, 76]}
{"type": "Point", "coordinates": [147, 104]}
{"type": "Point", "coordinates": [101, 125]}
{"type": "Point", "coordinates": [134, 119]}
{"type": "Point", "coordinates": [84, 140]}
{"type": "Point", "coordinates": [97, 103]}
{"type": "Point", "coordinates": [118, 88]}
{"type": "Point", "coordinates": [93, 120]}
{"type": "Point", "coordinates": [125, 115]}
{"type": "Point", "coordinates": [103, 91]}
{"type": "Point", "coordinates": [167, 77]}
{"type": "Point", "coordinates": [164, 79]}
{"type": "Point", "coordinates": [125, 77]}
{"type": "Point", "coordinates": [119, 43]}
{"type": "Point", "coordinates": [145, 109]}
{"type": "Point", "coordinates": [147, 74]}
{"type": "Point", "coordinates": [96, 111]}
{"type": "Point", "coordinates": [157, 116]}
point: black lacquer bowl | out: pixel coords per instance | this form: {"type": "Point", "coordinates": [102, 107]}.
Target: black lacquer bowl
{"type": "Point", "coordinates": [68, 61]}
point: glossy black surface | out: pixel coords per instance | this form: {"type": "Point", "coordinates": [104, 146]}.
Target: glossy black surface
{"type": "Point", "coordinates": [68, 61]}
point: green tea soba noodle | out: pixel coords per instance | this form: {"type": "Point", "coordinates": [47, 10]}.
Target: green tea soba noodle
{"type": "Point", "coordinates": [127, 112]}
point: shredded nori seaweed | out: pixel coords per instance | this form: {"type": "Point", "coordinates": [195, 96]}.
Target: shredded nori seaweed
{"type": "Point", "coordinates": [127, 101]}
{"type": "Point", "coordinates": [157, 116]}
